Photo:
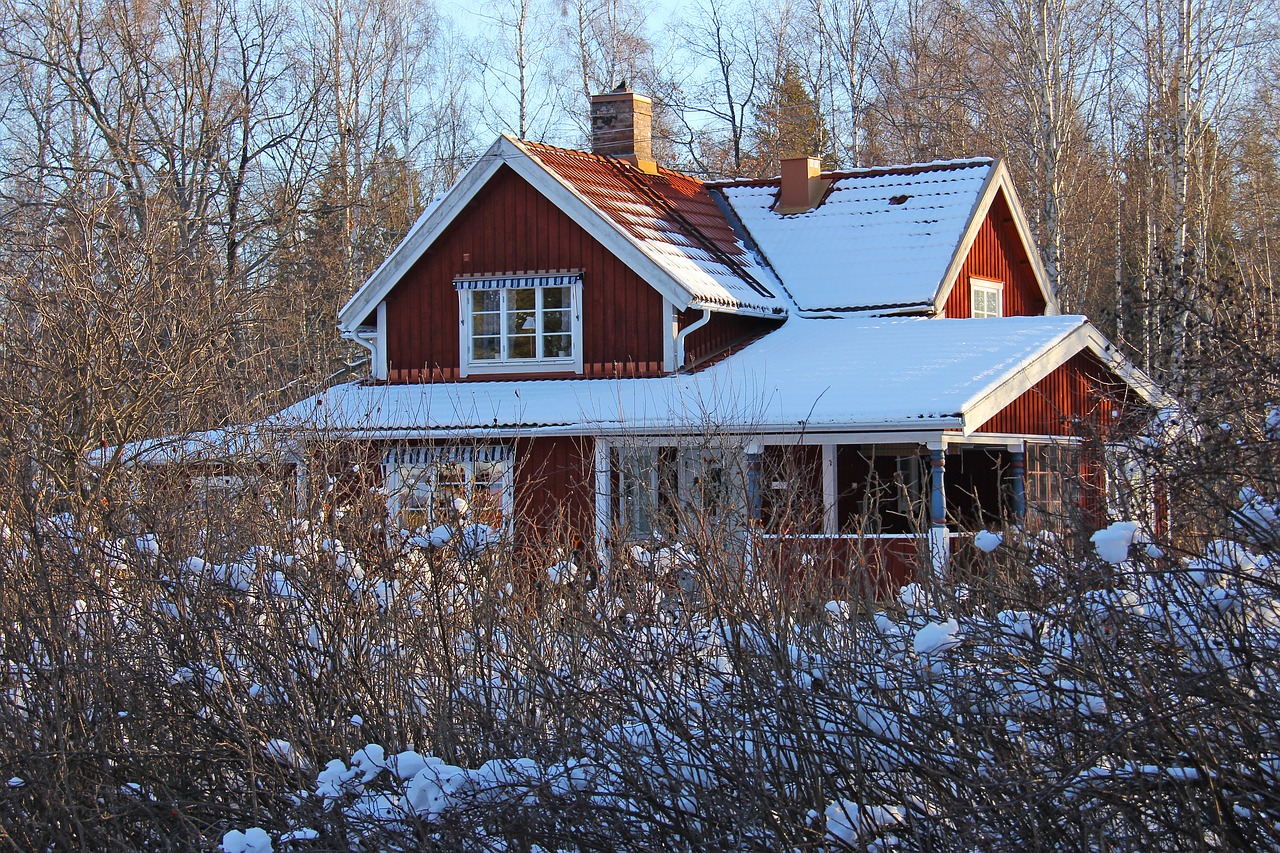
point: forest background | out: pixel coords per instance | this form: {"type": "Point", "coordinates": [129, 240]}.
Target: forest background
{"type": "Point", "coordinates": [190, 188]}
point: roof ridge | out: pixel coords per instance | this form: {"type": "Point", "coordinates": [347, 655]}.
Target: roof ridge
{"type": "Point", "coordinates": [607, 159]}
{"type": "Point", "coordinates": [868, 172]}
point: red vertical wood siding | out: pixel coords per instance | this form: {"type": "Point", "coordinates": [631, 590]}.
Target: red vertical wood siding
{"type": "Point", "coordinates": [511, 227]}
{"type": "Point", "coordinates": [1082, 398]}
{"type": "Point", "coordinates": [997, 253]}
{"type": "Point", "coordinates": [554, 490]}
{"type": "Point", "coordinates": [720, 333]}
{"type": "Point", "coordinates": [1076, 399]}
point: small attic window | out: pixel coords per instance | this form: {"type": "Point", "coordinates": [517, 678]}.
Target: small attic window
{"type": "Point", "coordinates": [898, 199]}
{"type": "Point", "coordinates": [986, 298]}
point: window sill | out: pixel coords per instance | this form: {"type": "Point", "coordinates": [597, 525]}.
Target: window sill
{"type": "Point", "coordinates": [499, 368]}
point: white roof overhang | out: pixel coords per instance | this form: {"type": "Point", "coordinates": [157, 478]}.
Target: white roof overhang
{"type": "Point", "coordinates": [1009, 387]}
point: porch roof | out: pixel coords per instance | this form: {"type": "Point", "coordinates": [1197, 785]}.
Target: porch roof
{"type": "Point", "coordinates": [847, 373]}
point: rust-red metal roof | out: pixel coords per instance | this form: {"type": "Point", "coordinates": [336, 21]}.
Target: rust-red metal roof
{"type": "Point", "coordinates": [674, 220]}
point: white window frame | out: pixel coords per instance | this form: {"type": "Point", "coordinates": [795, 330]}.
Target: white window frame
{"type": "Point", "coordinates": [506, 285]}
{"type": "Point", "coordinates": [643, 475]}
{"type": "Point", "coordinates": [638, 490]}
{"type": "Point", "coordinates": [990, 289]}
{"type": "Point", "coordinates": [412, 477]}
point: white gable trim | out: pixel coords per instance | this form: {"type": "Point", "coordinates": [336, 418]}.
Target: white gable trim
{"type": "Point", "coordinates": [510, 152]}
{"type": "Point", "coordinates": [1010, 387]}
{"type": "Point", "coordinates": [420, 237]}
{"type": "Point", "coordinates": [999, 179]}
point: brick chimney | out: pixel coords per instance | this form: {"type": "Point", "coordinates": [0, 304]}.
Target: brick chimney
{"type": "Point", "coordinates": [622, 126]}
{"type": "Point", "coordinates": [802, 185]}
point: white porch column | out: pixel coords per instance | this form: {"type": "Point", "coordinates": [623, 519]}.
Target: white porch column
{"type": "Point", "coordinates": [604, 495]}
{"type": "Point", "coordinates": [830, 492]}
{"type": "Point", "coordinates": [380, 350]}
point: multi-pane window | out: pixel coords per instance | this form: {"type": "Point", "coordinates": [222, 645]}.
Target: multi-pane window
{"type": "Point", "coordinates": [638, 481]}
{"type": "Point", "coordinates": [521, 322]}
{"type": "Point", "coordinates": [672, 489]}
{"type": "Point", "coordinates": [423, 484]}
{"type": "Point", "coordinates": [986, 298]}
{"type": "Point", "coordinates": [1051, 483]}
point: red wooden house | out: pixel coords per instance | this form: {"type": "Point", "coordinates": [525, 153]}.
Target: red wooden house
{"type": "Point", "coordinates": [591, 339]}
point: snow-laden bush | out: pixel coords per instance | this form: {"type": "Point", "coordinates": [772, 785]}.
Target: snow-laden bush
{"type": "Point", "coordinates": [330, 687]}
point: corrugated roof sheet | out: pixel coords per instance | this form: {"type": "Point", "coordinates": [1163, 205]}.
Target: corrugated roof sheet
{"type": "Point", "coordinates": [850, 372]}
{"type": "Point", "coordinates": [674, 220]}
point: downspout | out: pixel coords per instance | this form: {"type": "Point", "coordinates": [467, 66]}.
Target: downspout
{"type": "Point", "coordinates": [371, 345]}
{"type": "Point", "coordinates": [685, 332]}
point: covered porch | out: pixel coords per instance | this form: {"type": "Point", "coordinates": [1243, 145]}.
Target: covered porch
{"type": "Point", "coordinates": [870, 509]}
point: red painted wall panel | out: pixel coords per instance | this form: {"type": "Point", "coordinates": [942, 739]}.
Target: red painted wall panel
{"type": "Point", "coordinates": [1076, 399]}
{"type": "Point", "coordinates": [510, 227]}
{"type": "Point", "coordinates": [997, 253]}
{"type": "Point", "coordinates": [723, 331]}
{"type": "Point", "coordinates": [554, 491]}
{"type": "Point", "coordinates": [1084, 399]}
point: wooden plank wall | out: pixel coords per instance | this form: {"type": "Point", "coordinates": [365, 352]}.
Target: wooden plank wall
{"type": "Point", "coordinates": [510, 227]}
{"type": "Point", "coordinates": [998, 254]}
{"type": "Point", "coordinates": [722, 332]}
{"type": "Point", "coordinates": [554, 491]}
{"type": "Point", "coordinates": [1082, 399]}
{"type": "Point", "coordinates": [1075, 398]}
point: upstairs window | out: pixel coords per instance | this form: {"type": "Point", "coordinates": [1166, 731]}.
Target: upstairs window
{"type": "Point", "coordinates": [986, 298]}
{"type": "Point", "coordinates": [521, 323]}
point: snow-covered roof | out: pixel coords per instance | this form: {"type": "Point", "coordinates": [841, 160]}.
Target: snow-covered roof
{"type": "Point", "coordinates": [844, 373]}
{"type": "Point", "coordinates": [881, 238]}
{"type": "Point", "coordinates": [207, 447]}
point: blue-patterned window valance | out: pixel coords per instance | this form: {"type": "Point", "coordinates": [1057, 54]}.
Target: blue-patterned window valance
{"type": "Point", "coordinates": [501, 282]}
{"type": "Point", "coordinates": [432, 454]}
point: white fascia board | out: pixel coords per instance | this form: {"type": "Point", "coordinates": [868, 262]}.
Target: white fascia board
{"type": "Point", "coordinates": [998, 180]}
{"type": "Point", "coordinates": [507, 150]}
{"type": "Point", "coordinates": [419, 239]}
{"type": "Point", "coordinates": [1130, 373]}
{"type": "Point", "coordinates": [1013, 384]}
{"type": "Point", "coordinates": [770, 434]}
{"type": "Point", "coordinates": [984, 406]}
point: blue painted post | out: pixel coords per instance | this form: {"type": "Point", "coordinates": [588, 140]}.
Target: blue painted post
{"type": "Point", "coordinates": [939, 538]}
{"type": "Point", "coordinates": [938, 498]}
{"type": "Point", "coordinates": [1019, 484]}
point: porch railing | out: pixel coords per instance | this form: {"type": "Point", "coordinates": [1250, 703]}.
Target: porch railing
{"type": "Point", "coordinates": [867, 564]}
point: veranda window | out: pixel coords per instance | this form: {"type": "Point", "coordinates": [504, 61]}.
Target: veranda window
{"type": "Point", "coordinates": [1052, 482]}
{"type": "Point", "coordinates": [424, 482]}
{"type": "Point", "coordinates": [674, 489]}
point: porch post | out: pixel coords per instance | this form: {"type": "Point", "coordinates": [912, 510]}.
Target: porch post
{"type": "Point", "coordinates": [604, 495]}
{"type": "Point", "coordinates": [753, 453]}
{"type": "Point", "coordinates": [830, 508]}
{"type": "Point", "coordinates": [939, 542]}
{"type": "Point", "coordinates": [1019, 454]}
